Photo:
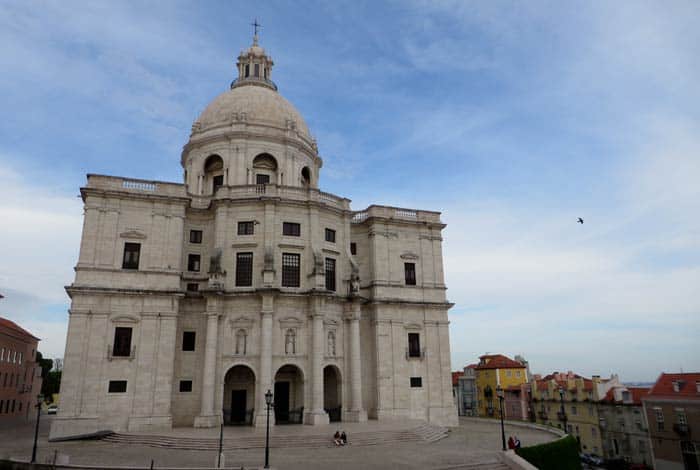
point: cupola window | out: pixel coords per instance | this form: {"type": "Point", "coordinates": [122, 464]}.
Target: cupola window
{"type": "Point", "coordinates": [305, 176]}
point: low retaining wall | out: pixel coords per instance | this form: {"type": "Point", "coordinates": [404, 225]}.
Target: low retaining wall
{"type": "Point", "coordinates": [522, 424]}
{"type": "Point", "coordinates": [17, 465]}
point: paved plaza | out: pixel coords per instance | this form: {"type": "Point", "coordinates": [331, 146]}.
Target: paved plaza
{"type": "Point", "coordinates": [472, 443]}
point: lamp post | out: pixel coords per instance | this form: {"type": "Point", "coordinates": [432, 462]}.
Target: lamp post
{"type": "Point", "coordinates": [268, 401]}
{"type": "Point", "coordinates": [499, 394]}
{"type": "Point", "coordinates": [563, 412]}
{"type": "Point", "coordinates": [39, 398]}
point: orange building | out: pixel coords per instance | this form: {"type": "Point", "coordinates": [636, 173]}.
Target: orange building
{"type": "Point", "coordinates": [20, 375]}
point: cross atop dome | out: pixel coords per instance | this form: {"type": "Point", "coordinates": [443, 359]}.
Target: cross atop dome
{"type": "Point", "coordinates": [254, 65]}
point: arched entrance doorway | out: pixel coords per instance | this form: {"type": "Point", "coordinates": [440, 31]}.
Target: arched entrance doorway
{"type": "Point", "coordinates": [332, 393]}
{"type": "Point", "coordinates": [289, 395]}
{"type": "Point", "coordinates": [239, 395]}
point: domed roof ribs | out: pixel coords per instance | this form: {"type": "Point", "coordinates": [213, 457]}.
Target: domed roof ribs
{"type": "Point", "coordinates": [254, 66]}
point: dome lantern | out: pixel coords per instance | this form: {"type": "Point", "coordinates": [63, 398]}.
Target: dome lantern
{"type": "Point", "coordinates": [254, 67]}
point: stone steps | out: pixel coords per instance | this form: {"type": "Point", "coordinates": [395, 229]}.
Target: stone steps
{"type": "Point", "coordinates": [424, 433]}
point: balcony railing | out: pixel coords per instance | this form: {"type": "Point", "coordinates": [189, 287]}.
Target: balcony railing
{"type": "Point", "coordinates": [415, 354]}
{"type": "Point", "coordinates": [681, 429]}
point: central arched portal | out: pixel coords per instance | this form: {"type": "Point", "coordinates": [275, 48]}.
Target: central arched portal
{"type": "Point", "coordinates": [239, 395]}
{"type": "Point", "coordinates": [332, 394]}
{"type": "Point", "coordinates": [289, 395]}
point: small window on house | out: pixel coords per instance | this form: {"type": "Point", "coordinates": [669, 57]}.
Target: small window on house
{"type": "Point", "coordinates": [117, 386]}
{"type": "Point", "coordinates": [246, 227]}
{"type": "Point", "coordinates": [262, 179]}
{"type": "Point", "coordinates": [509, 373]}
{"type": "Point", "coordinates": [185, 385]}
{"type": "Point", "coordinates": [131, 255]}
{"type": "Point", "coordinates": [192, 287]}
{"type": "Point", "coordinates": [517, 373]}
{"type": "Point", "coordinates": [244, 269]}
{"type": "Point", "coordinates": [122, 341]}
{"type": "Point", "coordinates": [19, 360]}
{"type": "Point", "coordinates": [291, 229]}
{"type": "Point", "coordinates": [416, 382]}
{"type": "Point", "coordinates": [193, 262]}
{"type": "Point", "coordinates": [195, 236]}
{"type": "Point", "coordinates": [658, 412]}
{"type": "Point", "coordinates": [353, 248]}
{"type": "Point", "coordinates": [573, 410]}
{"type": "Point", "coordinates": [410, 273]}
{"type": "Point", "coordinates": [217, 182]}
{"type": "Point", "coordinates": [290, 269]}
{"type": "Point", "coordinates": [330, 235]}
{"type": "Point", "coordinates": [330, 274]}
{"type": "Point", "coordinates": [414, 345]}
{"type": "Point", "coordinates": [188, 340]}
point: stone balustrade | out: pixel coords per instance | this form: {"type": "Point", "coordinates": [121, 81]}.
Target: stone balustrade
{"type": "Point", "coordinates": [388, 212]}
{"type": "Point", "coordinates": [134, 185]}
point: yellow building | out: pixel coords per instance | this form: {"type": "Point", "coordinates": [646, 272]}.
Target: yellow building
{"type": "Point", "coordinates": [496, 370]}
{"type": "Point", "coordinates": [578, 396]}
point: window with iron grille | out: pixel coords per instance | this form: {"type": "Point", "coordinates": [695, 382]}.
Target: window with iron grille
{"type": "Point", "coordinates": [330, 274]}
{"type": "Point", "coordinates": [353, 248]}
{"type": "Point", "coordinates": [262, 179]}
{"type": "Point", "coordinates": [188, 340]}
{"type": "Point", "coordinates": [414, 345]}
{"type": "Point", "coordinates": [195, 236]}
{"type": "Point", "coordinates": [410, 273]}
{"type": "Point", "coordinates": [291, 229]}
{"type": "Point", "coordinates": [416, 382]}
{"type": "Point", "coordinates": [192, 287]}
{"type": "Point", "coordinates": [330, 235]}
{"type": "Point", "coordinates": [117, 386]}
{"type": "Point", "coordinates": [122, 341]}
{"type": "Point", "coordinates": [244, 269]}
{"type": "Point", "coordinates": [131, 255]}
{"type": "Point", "coordinates": [193, 263]}
{"type": "Point", "coordinates": [185, 385]}
{"type": "Point", "coordinates": [291, 269]}
{"type": "Point", "coordinates": [246, 228]}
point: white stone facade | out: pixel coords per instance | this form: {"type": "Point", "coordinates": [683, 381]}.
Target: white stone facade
{"type": "Point", "coordinates": [208, 337]}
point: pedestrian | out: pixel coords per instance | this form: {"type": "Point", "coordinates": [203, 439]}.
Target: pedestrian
{"type": "Point", "coordinates": [517, 442]}
{"type": "Point", "coordinates": [511, 443]}
{"type": "Point", "coordinates": [344, 438]}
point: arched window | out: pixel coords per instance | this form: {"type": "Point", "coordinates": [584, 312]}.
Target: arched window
{"type": "Point", "coordinates": [241, 340]}
{"type": "Point", "coordinates": [290, 342]}
{"type": "Point", "coordinates": [305, 176]}
{"type": "Point", "coordinates": [214, 172]}
{"type": "Point", "coordinates": [331, 343]}
{"type": "Point", "coordinates": [265, 169]}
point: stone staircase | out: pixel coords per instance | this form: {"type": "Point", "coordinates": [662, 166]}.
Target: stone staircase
{"type": "Point", "coordinates": [486, 464]}
{"type": "Point", "coordinates": [424, 433]}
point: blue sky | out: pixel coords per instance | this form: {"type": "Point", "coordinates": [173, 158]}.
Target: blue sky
{"type": "Point", "coordinates": [513, 119]}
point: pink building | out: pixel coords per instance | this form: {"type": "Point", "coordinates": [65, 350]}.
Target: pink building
{"type": "Point", "coordinates": [517, 402]}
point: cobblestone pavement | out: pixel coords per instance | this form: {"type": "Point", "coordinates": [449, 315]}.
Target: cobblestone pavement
{"type": "Point", "coordinates": [470, 443]}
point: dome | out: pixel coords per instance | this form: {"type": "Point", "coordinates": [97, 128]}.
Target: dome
{"type": "Point", "coordinates": [260, 105]}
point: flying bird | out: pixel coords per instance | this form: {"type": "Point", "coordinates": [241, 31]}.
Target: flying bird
{"type": "Point", "coordinates": [580, 220]}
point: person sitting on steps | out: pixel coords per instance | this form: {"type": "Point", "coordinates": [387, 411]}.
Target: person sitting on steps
{"type": "Point", "coordinates": [336, 439]}
{"type": "Point", "coordinates": [343, 438]}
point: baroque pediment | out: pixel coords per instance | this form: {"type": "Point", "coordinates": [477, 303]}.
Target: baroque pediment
{"type": "Point", "coordinates": [133, 233]}
{"type": "Point", "coordinates": [409, 255]}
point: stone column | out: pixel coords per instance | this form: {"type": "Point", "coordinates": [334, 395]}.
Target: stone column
{"type": "Point", "coordinates": [356, 413]}
{"type": "Point", "coordinates": [265, 374]}
{"type": "Point", "coordinates": [207, 418]}
{"type": "Point", "coordinates": [317, 415]}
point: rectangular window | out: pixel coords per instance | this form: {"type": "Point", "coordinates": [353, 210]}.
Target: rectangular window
{"type": "Point", "coordinates": [416, 382]}
{"type": "Point", "coordinates": [188, 340]}
{"type": "Point", "coordinates": [217, 182]}
{"type": "Point", "coordinates": [20, 358]}
{"type": "Point", "coordinates": [330, 235]}
{"type": "Point", "coordinates": [131, 255]}
{"type": "Point", "coordinates": [122, 341]}
{"type": "Point", "coordinates": [353, 248]}
{"type": "Point", "coordinates": [257, 70]}
{"type": "Point", "coordinates": [246, 228]}
{"type": "Point", "coordinates": [291, 229]}
{"type": "Point", "coordinates": [680, 416]}
{"type": "Point", "coordinates": [244, 269]}
{"type": "Point", "coordinates": [192, 287]}
{"type": "Point", "coordinates": [2, 354]}
{"type": "Point", "coordinates": [291, 269]}
{"type": "Point", "coordinates": [193, 262]}
{"type": "Point", "coordinates": [185, 385]}
{"type": "Point", "coordinates": [594, 431]}
{"type": "Point", "coordinates": [195, 236]}
{"type": "Point", "coordinates": [262, 179]}
{"type": "Point", "coordinates": [509, 373]}
{"type": "Point", "coordinates": [330, 274]}
{"type": "Point", "coordinates": [414, 345]}
{"type": "Point", "coordinates": [573, 410]}
{"type": "Point", "coordinates": [659, 418]}
{"type": "Point", "coordinates": [410, 273]}
{"type": "Point", "coordinates": [117, 386]}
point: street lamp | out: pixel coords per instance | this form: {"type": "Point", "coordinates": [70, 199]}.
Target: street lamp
{"type": "Point", "coordinates": [39, 398]}
{"type": "Point", "coordinates": [499, 394]}
{"type": "Point", "coordinates": [563, 412]}
{"type": "Point", "coordinates": [268, 401]}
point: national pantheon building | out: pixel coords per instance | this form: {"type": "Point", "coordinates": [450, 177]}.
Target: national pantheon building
{"type": "Point", "coordinates": [191, 300]}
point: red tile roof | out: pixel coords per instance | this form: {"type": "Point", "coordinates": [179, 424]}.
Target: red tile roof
{"type": "Point", "coordinates": [12, 326]}
{"type": "Point", "coordinates": [498, 361]}
{"type": "Point", "coordinates": [455, 378]}
{"type": "Point", "coordinates": [638, 393]}
{"type": "Point", "coordinates": [472, 366]}
{"type": "Point", "coordinates": [687, 386]}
